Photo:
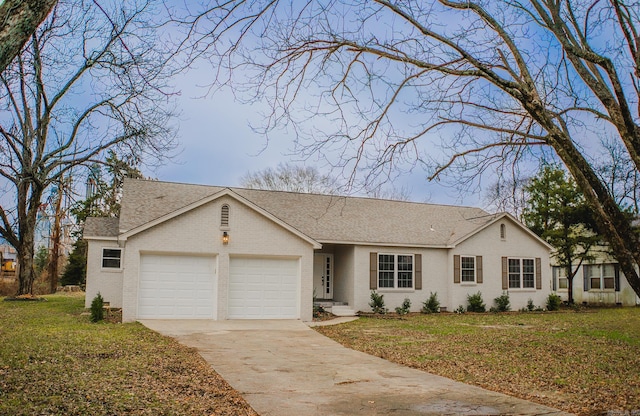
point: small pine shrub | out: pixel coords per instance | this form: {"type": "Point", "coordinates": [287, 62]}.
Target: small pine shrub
{"type": "Point", "coordinates": [97, 308]}
{"type": "Point", "coordinates": [476, 304]}
{"type": "Point", "coordinates": [502, 303]}
{"type": "Point", "coordinates": [377, 303]}
{"type": "Point", "coordinates": [553, 302]}
{"type": "Point", "coordinates": [405, 308]}
{"type": "Point", "coordinates": [530, 306]}
{"type": "Point", "coordinates": [460, 310]}
{"type": "Point", "coordinates": [431, 305]}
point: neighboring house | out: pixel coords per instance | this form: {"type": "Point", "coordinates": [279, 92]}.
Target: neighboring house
{"type": "Point", "coordinates": [205, 252]}
{"type": "Point", "coordinates": [597, 282]}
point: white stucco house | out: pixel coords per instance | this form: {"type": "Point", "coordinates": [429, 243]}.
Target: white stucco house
{"type": "Point", "coordinates": [206, 252]}
{"type": "Point", "coordinates": [598, 281]}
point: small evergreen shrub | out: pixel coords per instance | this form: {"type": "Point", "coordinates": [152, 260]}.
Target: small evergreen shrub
{"type": "Point", "coordinates": [377, 303]}
{"type": "Point", "coordinates": [476, 304]}
{"type": "Point", "coordinates": [530, 306]}
{"type": "Point", "coordinates": [460, 310]}
{"type": "Point", "coordinates": [502, 303]}
{"type": "Point", "coordinates": [405, 308]}
{"type": "Point", "coordinates": [97, 308]}
{"type": "Point", "coordinates": [431, 305]}
{"type": "Point", "coordinates": [553, 302]}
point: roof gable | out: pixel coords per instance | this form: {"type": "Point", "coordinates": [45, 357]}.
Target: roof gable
{"type": "Point", "coordinates": [217, 195]}
{"type": "Point", "coordinates": [510, 218]}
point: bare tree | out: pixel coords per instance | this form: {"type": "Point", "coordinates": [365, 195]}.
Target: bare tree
{"type": "Point", "coordinates": [18, 21]}
{"type": "Point", "coordinates": [292, 178]}
{"type": "Point", "coordinates": [92, 77]}
{"type": "Point", "coordinates": [489, 82]}
{"type": "Point", "coordinates": [308, 179]}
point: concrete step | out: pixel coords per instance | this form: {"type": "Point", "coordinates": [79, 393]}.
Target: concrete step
{"type": "Point", "coordinates": [342, 310]}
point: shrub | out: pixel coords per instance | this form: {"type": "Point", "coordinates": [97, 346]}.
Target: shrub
{"type": "Point", "coordinates": [460, 310]}
{"type": "Point", "coordinates": [502, 303]}
{"type": "Point", "coordinates": [97, 308]}
{"type": "Point", "coordinates": [553, 302]}
{"type": "Point", "coordinates": [377, 303]}
{"type": "Point", "coordinates": [530, 306]}
{"type": "Point", "coordinates": [405, 308]}
{"type": "Point", "coordinates": [476, 304]}
{"type": "Point", "coordinates": [431, 305]}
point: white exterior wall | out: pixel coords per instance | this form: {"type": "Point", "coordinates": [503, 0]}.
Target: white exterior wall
{"type": "Point", "coordinates": [625, 297]}
{"type": "Point", "coordinates": [488, 244]}
{"type": "Point", "coordinates": [434, 271]}
{"type": "Point", "coordinates": [108, 282]}
{"type": "Point", "coordinates": [343, 272]}
{"type": "Point", "coordinates": [198, 232]}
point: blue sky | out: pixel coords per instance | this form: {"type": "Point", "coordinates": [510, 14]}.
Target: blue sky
{"type": "Point", "coordinates": [218, 146]}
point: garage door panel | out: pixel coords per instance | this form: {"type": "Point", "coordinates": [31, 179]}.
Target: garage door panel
{"type": "Point", "coordinates": [176, 287]}
{"type": "Point", "coordinates": [263, 288]}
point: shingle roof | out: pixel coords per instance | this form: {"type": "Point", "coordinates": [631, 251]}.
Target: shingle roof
{"type": "Point", "coordinates": [324, 218]}
{"type": "Point", "coordinates": [101, 227]}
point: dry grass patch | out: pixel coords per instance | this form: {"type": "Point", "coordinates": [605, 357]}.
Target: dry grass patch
{"type": "Point", "coordinates": [582, 362]}
{"type": "Point", "coordinates": [54, 361]}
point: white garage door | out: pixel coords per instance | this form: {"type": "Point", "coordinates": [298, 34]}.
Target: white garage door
{"type": "Point", "coordinates": [176, 287]}
{"type": "Point", "coordinates": [263, 288]}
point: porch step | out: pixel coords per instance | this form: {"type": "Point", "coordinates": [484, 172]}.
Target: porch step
{"type": "Point", "coordinates": [342, 310]}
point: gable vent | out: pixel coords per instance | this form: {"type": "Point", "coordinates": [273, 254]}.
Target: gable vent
{"type": "Point", "coordinates": [224, 216]}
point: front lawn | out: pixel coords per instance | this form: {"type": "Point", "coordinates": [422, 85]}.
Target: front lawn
{"type": "Point", "coordinates": [54, 361]}
{"type": "Point", "coordinates": [585, 362]}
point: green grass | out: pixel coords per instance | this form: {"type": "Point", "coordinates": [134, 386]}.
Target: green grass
{"type": "Point", "coordinates": [583, 362]}
{"type": "Point", "coordinates": [53, 360]}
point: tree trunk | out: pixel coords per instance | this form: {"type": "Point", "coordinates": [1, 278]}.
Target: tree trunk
{"type": "Point", "coordinates": [18, 21]}
{"type": "Point", "coordinates": [26, 274]}
{"type": "Point", "coordinates": [570, 276]}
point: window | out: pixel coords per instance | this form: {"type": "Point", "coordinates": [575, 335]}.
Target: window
{"type": "Point", "coordinates": [521, 273]}
{"type": "Point", "coordinates": [395, 271]}
{"type": "Point", "coordinates": [224, 216]}
{"type": "Point", "coordinates": [503, 231]}
{"type": "Point", "coordinates": [111, 258]}
{"type": "Point", "coordinates": [600, 276]}
{"type": "Point", "coordinates": [468, 269]}
{"type": "Point", "coordinates": [560, 274]}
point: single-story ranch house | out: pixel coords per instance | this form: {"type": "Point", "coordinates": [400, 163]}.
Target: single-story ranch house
{"type": "Point", "coordinates": [182, 251]}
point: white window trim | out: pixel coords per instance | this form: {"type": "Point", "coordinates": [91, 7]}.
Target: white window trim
{"type": "Point", "coordinates": [521, 288]}
{"type": "Point", "coordinates": [102, 257]}
{"type": "Point", "coordinates": [558, 288]}
{"type": "Point", "coordinates": [602, 289]}
{"type": "Point", "coordinates": [475, 272]}
{"type": "Point", "coordinates": [395, 287]}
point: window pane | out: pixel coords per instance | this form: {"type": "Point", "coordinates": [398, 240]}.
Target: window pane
{"type": "Point", "coordinates": [385, 279]}
{"type": "Point", "coordinates": [595, 283]}
{"type": "Point", "coordinates": [405, 279]}
{"type": "Point", "coordinates": [514, 273]}
{"type": "Point", "coordinates": [609, 283]}
{"type": "Point", "coordinates": [111, 263]}
{"type": "Point", "coordinates": [405, 271]}
{"type": "Point", "coordinates": [563, 283]}
{"type": "Point", "coordinates": [111, 253]}
{"type": "Point", "coordinates": [528, 269]}
{"type": "Point", "coordinates": [386, 262]}
{"type": "Point", "coordinates": [405, 263]}
{"type": "Point", "coordinates": [608, 270]}
{"type": "Point", "coordinates": [592, 271]}
{"type": "Point", "coordinates": [468, 269]}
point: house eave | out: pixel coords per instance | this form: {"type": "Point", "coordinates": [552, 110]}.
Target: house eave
{"type": "Point", "coordinates": [386, 244]}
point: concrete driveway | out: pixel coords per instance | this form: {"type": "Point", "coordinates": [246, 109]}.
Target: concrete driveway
{"type": "Point", "coordinates": [286, 368]}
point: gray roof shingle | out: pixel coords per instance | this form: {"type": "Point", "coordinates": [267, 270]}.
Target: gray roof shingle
{"type": "Point", "coordinates": [324, 218]}
{"type": "Point", "coordinates": [101, 227]}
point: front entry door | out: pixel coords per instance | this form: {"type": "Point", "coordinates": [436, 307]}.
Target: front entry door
{"type": "Point", "coordinates": [323, 276]}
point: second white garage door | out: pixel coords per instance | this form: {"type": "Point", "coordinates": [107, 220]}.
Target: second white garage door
{"type": "Point", "coordinates": [176, 287]}
{"type": "Point", "coordinates": [263, 288]}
